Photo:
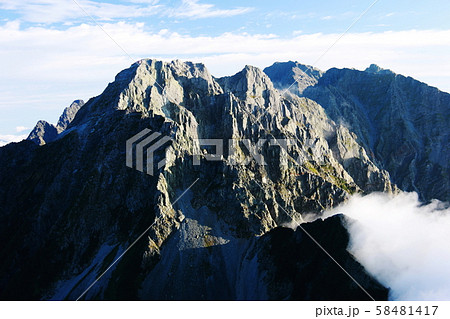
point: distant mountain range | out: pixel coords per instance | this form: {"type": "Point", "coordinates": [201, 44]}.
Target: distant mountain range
{"type": "Point", "coordinates": [70, 205]}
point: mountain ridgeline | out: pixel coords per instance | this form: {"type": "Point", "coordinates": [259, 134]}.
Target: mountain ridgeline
{"type": "Point", "coordinates": [70, 206]}
{"type": "Point", "coordinates": [45, 132]}
{"type": "Point", "coordinates": [402, 124]}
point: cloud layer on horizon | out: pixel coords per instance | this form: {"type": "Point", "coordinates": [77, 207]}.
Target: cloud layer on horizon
{"type": "Point", "coordinates": [6, 139]}
{"type": "Point", "coordinates": [77, 62]}
{"type": "Point", "coordinates": [84, 47]}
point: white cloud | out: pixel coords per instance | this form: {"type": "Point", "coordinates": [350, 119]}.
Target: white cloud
{"type": "Point", "coordinates": [51, 53]}
{"type": "Point", "coordinates": [79, 61]}
{"type": "Point", "coordinates": [403, 243]}
{"type": "Point", "coordinates": [21, 128]}
{"type": "Point", "coordinates": [194, 9]}
{"type": "Point", "coordinates": [6, 139]}
{"type": "Point", "coordinates": [54, 11]}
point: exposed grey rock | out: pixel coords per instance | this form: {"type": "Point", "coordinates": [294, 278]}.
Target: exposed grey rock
{"type": "Point", "coordinates": [68, 115]}
{"type": "Point", "coordinates": [43, 133]}
{"type": "Point", "coordinates": [293, 75]}
{"type": "Point", "coordinates": [78, 198]}
{"type": "Point", "coordinates": [373, 68]}
{"type": "Point", "coordinates": [402, 123]}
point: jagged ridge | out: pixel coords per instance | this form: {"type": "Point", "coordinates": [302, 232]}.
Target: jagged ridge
{"type": "Point", "coordinates": [77, 196]}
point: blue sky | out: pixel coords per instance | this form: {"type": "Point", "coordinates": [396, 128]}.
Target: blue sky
{"type": "Point", "coordinates": [51, 53]}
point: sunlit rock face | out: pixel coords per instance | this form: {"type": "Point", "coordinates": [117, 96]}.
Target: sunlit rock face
{"type": "Point", "coordinates": [72, 206]}
{"type": "Point", "coordinates": [401, 123]}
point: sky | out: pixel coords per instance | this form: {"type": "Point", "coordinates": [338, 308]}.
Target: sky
{"type": "Point", "coordinates": [55, 51]}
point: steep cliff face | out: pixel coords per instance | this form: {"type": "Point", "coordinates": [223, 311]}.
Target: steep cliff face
{"type": "Point", "coordinates": [72, 206]}
{"type": "Point", "coordinates": [402, 124]}
{"type": "Point", "coordinates": [291, 275]}
{"type": "Point", "coordinates": [45, 132]}
{"type": "Point", "coordinates": [68, 115]}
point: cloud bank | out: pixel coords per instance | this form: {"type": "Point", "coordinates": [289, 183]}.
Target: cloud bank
{"type": "Point", "coordinates": [56, 66]}
{"type": "Point", "coordinates": [57, 11]}
{"type": "Point", "coordinates": [87, 53]}
{"type": "Point", "coordinates": [6, 139]}
{"type": "Point", "coordinates": [402, 243]}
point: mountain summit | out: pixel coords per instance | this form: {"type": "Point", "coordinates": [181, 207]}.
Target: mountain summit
{"type": "Point", "coordinates": [293, 75]}
{"type": "Point", "coordinates": [401, 123]}
{"type": "Point", "coordinates": [217, 223]}
{"type": "Point", "coordinates": [45, 132]}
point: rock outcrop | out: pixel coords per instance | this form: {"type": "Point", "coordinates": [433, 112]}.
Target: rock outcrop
{"type": "Point", "coordinates": [401, 123]}
{"type": "Point", "coordinates": [71, 208]}
{"type": "Point", "coordinates": [44, 132]}
{"type": "Point", "coordinates": [293, 76]}
{"type": "Point", "coordinates": [68, 115]}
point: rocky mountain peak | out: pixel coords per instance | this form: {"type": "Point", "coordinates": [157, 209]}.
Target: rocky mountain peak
{"type": "Point", "coordinates": [150, 86]}
{"type": "Point", "coordinates": [161, 70]}
{"type": "Point", "coordinates": [68, 115]}
{"type": "Point", "coordinates": [401, 122]}
{"type": "Point", "coordinates": [291, 74]}
{"type": "Point", "coordinates": [375, 69]}
{"type": "Point", "coordinates": [43, 133]}
{"type": "Point", "coordinates": [223, 238]}
{"type": "Point", "coordinates": [251, 85]}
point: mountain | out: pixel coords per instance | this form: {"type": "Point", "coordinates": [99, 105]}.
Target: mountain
{"type": "Point", "coordinates": [214, 227]}
{"type": "Point", "coordinates": [45, 132]}
{"type": "Point", "coordinates": [402, 124]}
{"type": "Point", "coordinates": [375, 69]}
{"type": "Point", "coordinates": [68, 115]}
{"type": "Point", "coordinates": [294, 75]}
